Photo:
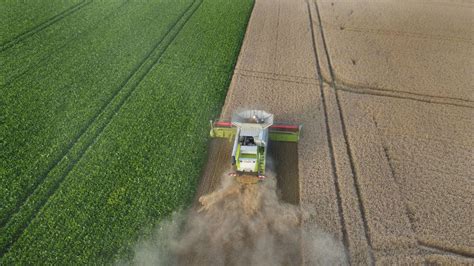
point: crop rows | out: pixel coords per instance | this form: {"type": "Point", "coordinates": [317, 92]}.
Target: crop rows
{"type": "Point", "coordinates": [53, 177]}
{"type": "Point", "coordinates": [19, 17]}
{"type": "Point", "coordinates": [47, 110]}
{"type": "Point", "coordinates": [132, 124]}
{"type": "Point", "coordinates": [40, 47]}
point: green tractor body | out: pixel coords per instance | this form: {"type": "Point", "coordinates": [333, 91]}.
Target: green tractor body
{"type": "Point", "coordinates": [250, 132]}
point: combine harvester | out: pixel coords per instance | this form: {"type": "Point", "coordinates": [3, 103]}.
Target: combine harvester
{"type": "Point", "coordinates": [251, 130]}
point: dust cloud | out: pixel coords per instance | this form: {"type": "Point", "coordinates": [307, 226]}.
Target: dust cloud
{"type": "Point", "coordinates": [239, 225]}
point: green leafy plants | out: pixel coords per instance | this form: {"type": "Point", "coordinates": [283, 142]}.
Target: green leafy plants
{"type": "Point", "coordinates": [23, 17]}
{"type": "Point", "coordinates": [50, 108]}
{"type": "Point", "coordinates": [108, 135]}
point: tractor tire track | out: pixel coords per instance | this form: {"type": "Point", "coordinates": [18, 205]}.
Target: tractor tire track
{"type": "Point", "coordinates": [274, 74]}
{"type": "Point", "coordinates": [445, 250]}
{"type": "Point", "coordinates": [6, 45]}
{"type": "Point", "coordinates": [345, 238]}
{"type": "Point", "coordinates": [50, 181]}
{"type": "Point", "coordinates": [383, 92]}
{"type": "Point", "coordinates": [353, 84]}
{"type": "Point", "coordinates": [341, 83]}
{"type": "Point", "coordinates": [48, 56]}
{"type": "Point", "coordinates": [349, 152]}
{"type": "Point", "coordinates": [354, 87]}
{"type": "Point", "coordinates": [401, 95]}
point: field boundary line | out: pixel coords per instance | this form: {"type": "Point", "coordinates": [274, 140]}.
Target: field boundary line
{"type": "Point", "coordinates": [61, 47]}
{"type": "Point", "coordinates": [4, 46]}
{"type": "Point", "coordinates": [88, 136]}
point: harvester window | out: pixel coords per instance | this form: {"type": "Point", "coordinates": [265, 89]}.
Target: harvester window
{"type": "Point", "coordinates": [248, 141]}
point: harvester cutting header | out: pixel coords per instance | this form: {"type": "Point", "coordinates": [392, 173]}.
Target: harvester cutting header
{"type": "Point", "coordinates": [250, 131]}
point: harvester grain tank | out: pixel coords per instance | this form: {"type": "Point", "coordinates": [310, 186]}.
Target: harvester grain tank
{"type": "Point", "coordinates": [251, 131]}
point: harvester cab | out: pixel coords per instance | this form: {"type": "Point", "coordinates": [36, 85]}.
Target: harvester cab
{"type": "Point", "coordinates": [250, 132]}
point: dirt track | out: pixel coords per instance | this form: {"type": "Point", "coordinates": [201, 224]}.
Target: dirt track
{"type": "Point", "coordinates": [385, 163]}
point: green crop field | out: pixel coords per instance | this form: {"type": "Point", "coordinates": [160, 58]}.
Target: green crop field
{"type": "Point", "coordinates": [104, 114]}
